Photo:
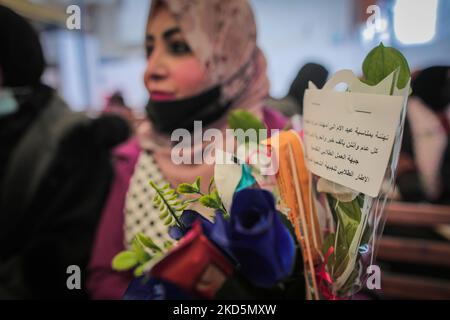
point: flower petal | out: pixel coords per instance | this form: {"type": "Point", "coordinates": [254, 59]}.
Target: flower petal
{"type": "Point", "coordinates": [256, 237]}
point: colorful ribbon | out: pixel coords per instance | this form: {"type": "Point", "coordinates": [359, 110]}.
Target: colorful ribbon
{"type": "Point", "coordinates": [324, 278]}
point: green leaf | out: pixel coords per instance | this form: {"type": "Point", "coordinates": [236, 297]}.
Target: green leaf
{"type": "Point", "coordinates": [350, 283]}
{"type": "Point", "coordinates": [216, 197]}
{"type": "Point", "coordinates": [168, 202]}
{"type": "Point", "coordinates": [241, 119]}
{"type": "Point", "coordinates": [139, 271]}
{"type": "Point", "coordinates": [340, 266]}
{"type": "Point", "coordinates": [147, 241]}
{"type": "Point", "coordinates": [153, 184]}
{"type": "Point", "coordinates": [141, 255]}
{"type": "Point", "coordinates": [210, 184]}
{"type": "Point", "coordinates": [382, 61]}
{"type": "Point", "coordinates": [124, 260]}
{"type": "Point", "coordinates": [189, 201]}
{"type": "Point", "coordinates": [164, 214]}
{"type": "Point", "coordinates": [197, 183]}
{"type": "Point", "coordinates": [177, 203]}
{"type": "Point", "coordinates": [351, 209]}
{"type": "Point", "coordinates": [328, 242]}
{"type": "Point", "coordinates": [349, 216]}
{"type": "Point", "coordinates": [157, 200]}
{"type": "Point", "coordinates": [168, 221]}
{"type": "Point", "coordinates": [186, 188]}
{"type": "Point", "coordinates": [168, 245]}
{"type": "Point", "coordinates": [208, 201]}
{"type": "Point", "coordinates": [348, 225]}
{"type": "Point", "coordinates": [169, 192]}
{"type": "Point", "coordinates": [166, 186]}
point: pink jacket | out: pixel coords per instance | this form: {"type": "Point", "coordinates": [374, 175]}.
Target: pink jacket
{"type": "Point", "coordinates": [103, 282]}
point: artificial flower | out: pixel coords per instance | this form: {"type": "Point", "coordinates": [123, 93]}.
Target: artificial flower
{"type": "Point", "coordinates": [256, 238]}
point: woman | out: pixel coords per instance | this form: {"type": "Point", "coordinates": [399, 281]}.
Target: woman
{"type": "Point", "coordinates": [202, 62]}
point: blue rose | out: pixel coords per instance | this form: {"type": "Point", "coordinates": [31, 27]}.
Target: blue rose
{"type": "Point", "coordinates": [256, 238]}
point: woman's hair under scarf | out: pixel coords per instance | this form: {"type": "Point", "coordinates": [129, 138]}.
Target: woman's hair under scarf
{"type": "Point", "coordinates": [222, 35]}
{"type": "Point", "coordinates": [21, 59]}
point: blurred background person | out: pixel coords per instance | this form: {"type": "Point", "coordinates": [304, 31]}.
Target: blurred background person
{"type": "Point", "coordinates": [115, 104]}
{"type": "Point", "coordinates": [425, 163]}
{"type": "Point", "coordinates": [54, 176]}
{"type": "Point", "coordinates": [87, 64]}
{"type": "Point", "coordinates": [292, 103]}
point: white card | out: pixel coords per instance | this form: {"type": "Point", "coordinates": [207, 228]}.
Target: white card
{"type": "Point", "coordinates": [349, 136]}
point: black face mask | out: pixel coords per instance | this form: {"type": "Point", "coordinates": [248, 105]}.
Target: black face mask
{"type": "Point", "coordinates": [168, 116]}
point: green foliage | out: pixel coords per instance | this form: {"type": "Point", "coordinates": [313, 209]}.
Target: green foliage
{"type": "Point", "coordinates": [140, 256]}
{"type": "Point", "coordinates": [147, 242]}
{"type": "Point", "coordinates": [169, 204]}
{"type": "Point", "coordinates": [349, 217]}
{"type": "Point", "coordinates": [382, 61]}
{"type": "Point", "coordinates": [211, 200]}
{"type": "Point", "coordinates": [186, 188]}
{"type": "Point", "coordinates": [124, 260]}
{"type": "Point", "coordinates": [241, 119]}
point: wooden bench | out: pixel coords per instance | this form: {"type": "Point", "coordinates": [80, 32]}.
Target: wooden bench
{"type": "Point", "coordinates": [413, 251]}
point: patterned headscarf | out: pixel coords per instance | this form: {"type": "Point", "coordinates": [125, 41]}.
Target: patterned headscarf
{"type": "Point", "coordinates": [222, 35]}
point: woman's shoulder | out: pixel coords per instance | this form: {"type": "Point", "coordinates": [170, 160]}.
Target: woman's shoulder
{"type": "Point", "coordinates": [129, 149]}
{"type": "Point", "coordinates": [125, 157]}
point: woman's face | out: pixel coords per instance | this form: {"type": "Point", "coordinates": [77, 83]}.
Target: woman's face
{"type": "Point", "coordinates": [173, 72]}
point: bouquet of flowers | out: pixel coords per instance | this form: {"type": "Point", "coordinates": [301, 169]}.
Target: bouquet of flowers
{"type": "Point", "coordinates": [244, 249]}
{"type": "Point", "coordinates": [279, 228]}
{"type": "Point", "coordinates": [353, 158]}
{"type": "Point", "coordinates": [250, 241]}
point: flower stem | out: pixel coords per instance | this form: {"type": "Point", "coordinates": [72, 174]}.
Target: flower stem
{"type": "Point", "coordinates": [169, 207]}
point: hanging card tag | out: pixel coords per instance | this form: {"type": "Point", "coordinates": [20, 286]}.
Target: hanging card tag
{"type": "Point", "coordinates": [348, 135]}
